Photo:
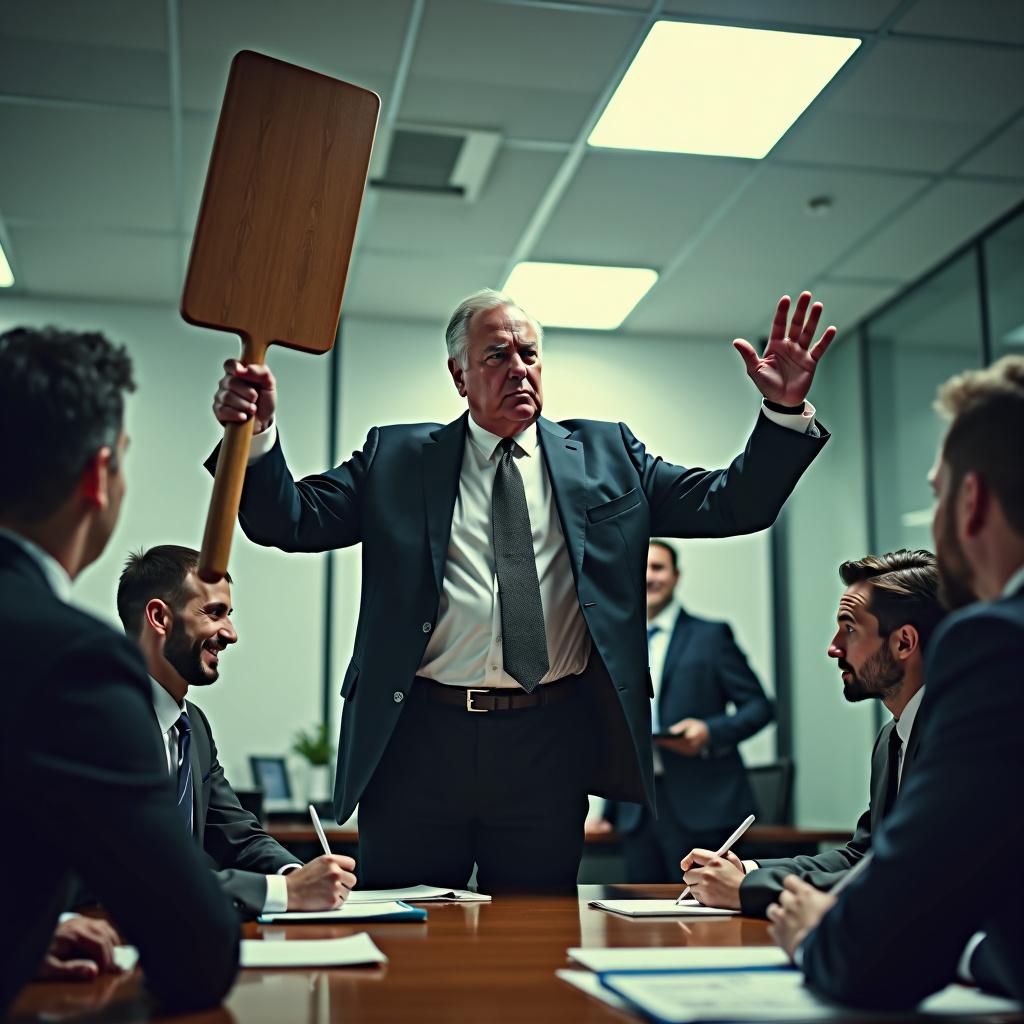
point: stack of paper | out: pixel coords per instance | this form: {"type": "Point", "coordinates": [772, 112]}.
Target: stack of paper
{"type": "Point", "coordinates": [348, 912]}
{"type": "Point", "coordinates": [352, 951]}
{"type": "Point", "coordinates": [678, 958]}
{"type": "Point", "coordinates": [417, 894]}
{"type": "Point", "coordinates": [661, 908]}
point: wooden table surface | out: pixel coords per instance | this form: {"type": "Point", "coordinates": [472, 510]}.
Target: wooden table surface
{"type": "Point", "coordinates": [480, 963]}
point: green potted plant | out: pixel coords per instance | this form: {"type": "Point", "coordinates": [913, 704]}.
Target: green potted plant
{"type": "Point", "coordinates": [314, 747]}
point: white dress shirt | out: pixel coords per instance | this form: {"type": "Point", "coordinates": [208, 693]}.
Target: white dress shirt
{"type": "Point", "coordinates": [168, 711]}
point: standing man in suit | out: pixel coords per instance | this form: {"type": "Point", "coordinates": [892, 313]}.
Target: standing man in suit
{"type": "Point", "coordinates": [499, 666]}
{"type": "Point", "coordinates": [886, 617]}
{"type": "Point", "coordinates": [183, 626]}
{"type": "Point", "coordinates": [700, 782]}
{"type": "Point", "coordinates": [890, 938]}
{"type": "Point", "coordinates": [81, 765]}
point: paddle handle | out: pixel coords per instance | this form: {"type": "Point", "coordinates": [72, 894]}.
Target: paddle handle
{"type": "Point", "coordinates": [227, 484]}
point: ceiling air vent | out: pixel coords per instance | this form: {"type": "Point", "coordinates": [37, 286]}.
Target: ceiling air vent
{"type": "Point", "coordinates": [439, 161]}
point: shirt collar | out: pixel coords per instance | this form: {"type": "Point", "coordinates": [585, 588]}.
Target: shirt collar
{"type": "Point", "coordinates": [905, 723]}
{"type": "Point", "coordinates": [1014, 583]}
{"type": "Point", "coordinates": [55, 573]}
{"type": "Point", "coordinates": [665, 620]}
{"type": "Point", "coordinates": [167, 709]}
{"type": "Point", "coordinates": [487, 443]}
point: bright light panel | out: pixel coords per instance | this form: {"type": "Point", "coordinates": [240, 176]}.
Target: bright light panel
{"type": "Point", "coordinates": [716, 90]}
{"type": "Point", "coordinates": [576, 295]}
{"type": "Point", "coordinates": [6, 275]}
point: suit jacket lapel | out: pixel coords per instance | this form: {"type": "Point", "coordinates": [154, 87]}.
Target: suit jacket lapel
{"type": "Point", "coordinates": [564, 458]}
{"type": "Point", "coordinates": [881, 780]}
{"type": "Point", "coordinates": [681, 636]}
{"type": "Point", "coordinates": [442, 464]}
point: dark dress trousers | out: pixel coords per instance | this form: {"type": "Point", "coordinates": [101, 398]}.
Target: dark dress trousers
{"type": "Point", "coordinates": [763, 886]}
{"type": "Point", "coordinates": [83, 782]}
{"type": "Point", "coordinates": [240, 851]}
{"type": "Point", "coordinates": [396, 497]}
{"type": "Point", "coordinates": [944, 864]}
{"type": "Point", "coordinates": [703, 798]}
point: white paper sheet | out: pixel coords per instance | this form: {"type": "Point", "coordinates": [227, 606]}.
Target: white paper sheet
{"type": "Point", "coordinates": [661, 908]}
{"type": "Point", "coordinates": [348, 952]}
{"type": "Point", "coordinates": [591, 984]}
{"type": "Point", "coordinates": [417, 894]}
{"type": "Point", "coordinates": [348, 911]}
{"type": "Point", "coordinates": [678, 958]}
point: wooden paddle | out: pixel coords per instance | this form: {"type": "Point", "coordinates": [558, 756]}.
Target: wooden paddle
{"type": "Point", "coordinates": [274, 236]}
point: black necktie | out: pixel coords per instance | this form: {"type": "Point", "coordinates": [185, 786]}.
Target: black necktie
{"type": "Point", "coordinates": [184, 727]}
{"type": "Point", "coordinates": [524, 641]}
{"type": "Point", "coordinates": [895, 746]}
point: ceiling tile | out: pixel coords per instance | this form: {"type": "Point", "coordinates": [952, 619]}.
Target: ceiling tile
{"type": "Point", "coordinates": [946, 217]}
{"type": "Point", "coordinates": [415, 287]}
{"type": "Point", "coordinates": [864, 15]}
{"type": "Point", "coordinates": [909, 105]}
{"type": "Point", "coordinates": [636, 209]}
{"type": "Point", "coordinates": [1004, 156]}
{"type": "Point", "coordinates": [997, 21]}
{"type": "Point", "coordinates": [121, 268]}
{"type": "Point", "coordinates": [848, 302]}
{"type": "Point", "coordinates": [109, 168]}
{"type": "Point", "coordinates": [427, 224]}
{"type": "Point", "coordinates": [527, 72]}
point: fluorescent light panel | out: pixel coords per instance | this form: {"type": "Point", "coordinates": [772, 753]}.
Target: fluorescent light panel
{"type": "Point", "coordinates": [6, 274]}
{"type": "Point", "coordinates": [716, 90]}
{"type": "Point", "coordinates": [576, 295]}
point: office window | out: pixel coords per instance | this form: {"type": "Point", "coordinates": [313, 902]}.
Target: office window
{"type": "Point", "coordinates": [931, 333]}
{"type": "Point", "coordinates": [1004, 274]}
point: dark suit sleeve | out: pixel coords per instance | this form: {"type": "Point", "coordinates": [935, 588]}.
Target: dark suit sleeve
{"type": "Point", "coordinates": [952, 807]}
{"type": "Point", "coordinates": [743, 498]}
{"type": "Point", "coordinates": [317, 513]}
{"type": "Point", "coordinates": [96, 784]}
{"type": "Point", "coordinates": [236, 842]}
{"type": "Point", "coordinates": [740, 686]}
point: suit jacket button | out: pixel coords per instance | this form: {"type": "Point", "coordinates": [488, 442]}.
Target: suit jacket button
{"type": "Point", "coordinates": [398, 696]}
{"type": "Point", "coordinates": [426, 627]}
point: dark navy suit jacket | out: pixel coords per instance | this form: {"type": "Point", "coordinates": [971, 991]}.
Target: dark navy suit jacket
{"type": "Point", "coordinates": [396, 497]}
{"type": "Point", "coordinates": [945, 860]}
{"type": "Point", "coordinates": [704, 672]}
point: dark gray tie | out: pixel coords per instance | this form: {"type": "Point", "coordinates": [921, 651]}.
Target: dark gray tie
{"type": "Point", "coordinates": [524, 642]}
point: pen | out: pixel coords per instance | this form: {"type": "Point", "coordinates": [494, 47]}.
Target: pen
{"type": "Point", "coordinates": [726, 847]}
{"type": "Point", "coordinates": [319, 829]}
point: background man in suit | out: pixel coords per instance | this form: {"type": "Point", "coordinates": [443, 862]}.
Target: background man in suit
{"type": "Point", "coordinates": [886, 617]}
{"type": "Point", "coordinates": [498, 672]}
{"type": "Point", "coordinates": [697, 669]}
{"type": "Point", "coordinates": [81, 771]}
{"type": "Point", "coordinates": [891, 938]}
{"type": "Point", "coordinates": [183, 626]}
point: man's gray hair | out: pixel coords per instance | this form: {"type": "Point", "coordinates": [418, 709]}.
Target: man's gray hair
{"type": "Point", "coordinates": [456, 335]}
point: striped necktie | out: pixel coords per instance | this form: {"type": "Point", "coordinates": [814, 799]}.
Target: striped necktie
{"type": "Point", "coordinates": [184, 727]}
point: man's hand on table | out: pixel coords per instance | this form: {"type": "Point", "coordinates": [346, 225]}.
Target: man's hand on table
{"type": "Point", "coordinates": [322, 884]}
{"type": "Point", "coordinates": [243, 391]}
{"type": "Point", "coordinates": [798, 912]}
{"type": "Point", "coordinates": [713, 881]}
{"type": "Point", "coordinates": [80, 950]}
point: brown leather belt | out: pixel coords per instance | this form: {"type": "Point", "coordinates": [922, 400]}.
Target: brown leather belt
{"type": "Point", "coordinates": [495, 700]}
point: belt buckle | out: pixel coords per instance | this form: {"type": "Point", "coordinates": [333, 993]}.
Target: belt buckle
{"type": "Point", "coordinates": [469, 702]}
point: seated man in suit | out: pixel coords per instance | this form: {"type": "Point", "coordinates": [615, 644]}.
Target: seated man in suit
{"type": "Point", "coordinates": [183, 626]}
{"type": "Point", "coordinates": [886, 617]}
{"type": "Point", "coordinates": [890, 938]}
{"type": "Point", "coordinates": [702, 789]}
{"type": "Point", "coordinates": [81, 777]}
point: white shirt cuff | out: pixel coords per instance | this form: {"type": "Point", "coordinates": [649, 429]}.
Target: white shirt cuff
{"type": "Point", "coordinates": [963, 968]}
{"type": "Point", "coordinates": [802, 422]}
{"type": "Point", "coordinates": [750, 865]}
{"type": "Point", "coordinates": [68, 915]}
{"type": "Point", "coordinates": [262, 443]}
{"type": "Point", "coordinates": [276, 900]}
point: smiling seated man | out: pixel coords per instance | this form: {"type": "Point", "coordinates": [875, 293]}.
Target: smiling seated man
{"type": "Point", "coordinates": [183, 626]}
{"type": "Point", "coordinates": [886, 616]}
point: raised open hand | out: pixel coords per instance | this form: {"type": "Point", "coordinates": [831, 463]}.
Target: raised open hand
{"type": "Point", "coordinates": [785, 371]}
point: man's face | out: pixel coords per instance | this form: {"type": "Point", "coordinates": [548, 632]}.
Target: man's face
{"type": "Point", "coordinates": [661, 577]}
{"type": "Point", "coordinates": [502, 377]}
{"type": "Point", "coordinates": [200, 631]}
{"type": "Point", "coordinates": [956, 577]}
{"type": "Point", "coordinates": [868, 666]}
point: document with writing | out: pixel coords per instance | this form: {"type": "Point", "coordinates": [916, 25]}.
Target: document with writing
{"type": "Point", "coordinates": [417, 894]}
{"type": "Point", "coordinates": [351, 951]}
{"type": "Point", "coordinates": [349, 911]}
{"type": "Point", "coordinates": [679, 958]}
{"type": "Point", "coordinates": [661, 908]}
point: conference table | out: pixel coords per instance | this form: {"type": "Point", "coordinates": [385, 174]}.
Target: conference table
{"type": "Point", "coordinates": [481, 963]}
